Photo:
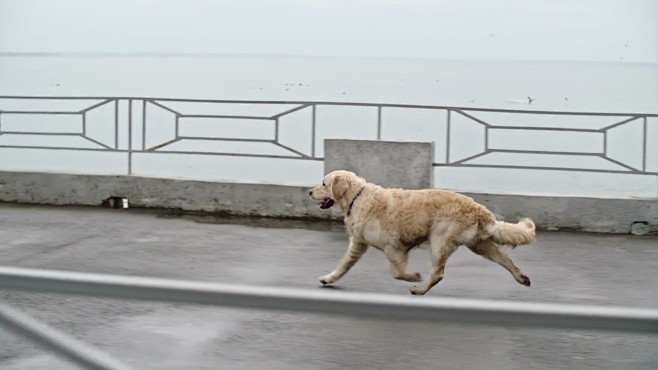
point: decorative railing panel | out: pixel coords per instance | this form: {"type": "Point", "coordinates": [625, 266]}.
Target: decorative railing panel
{"type": "Point", "coordinates": [615, 143]}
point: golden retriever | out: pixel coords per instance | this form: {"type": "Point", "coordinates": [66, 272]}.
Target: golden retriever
{"type": "Point", "coordinates": [396, 220]}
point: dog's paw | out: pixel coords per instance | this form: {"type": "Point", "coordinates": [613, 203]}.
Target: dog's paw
{"type": "Point", "coordinates": [415, 277]}
{"type": "Point", "coordinates": [417, 290]}
{"type": "Point", "coordinates": [524, 280]}
{"type": "Point", "coordinates": [326, 279]}
{"type": "Point", "coordinates": [412, 278]}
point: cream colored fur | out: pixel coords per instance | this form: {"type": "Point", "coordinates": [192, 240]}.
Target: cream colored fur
{"type": "Point", "coordinates": [397, 220]}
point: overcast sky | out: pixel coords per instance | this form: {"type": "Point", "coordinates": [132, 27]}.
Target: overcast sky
{"type": "Point", "coordinates": [584, 30]}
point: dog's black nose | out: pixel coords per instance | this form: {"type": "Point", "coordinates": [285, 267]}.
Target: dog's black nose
{"type": "Point", "coordinates": [310, 192]}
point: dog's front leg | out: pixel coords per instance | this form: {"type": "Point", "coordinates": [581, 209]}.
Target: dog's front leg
{"type": "Point", "coordinates": [353, 254]}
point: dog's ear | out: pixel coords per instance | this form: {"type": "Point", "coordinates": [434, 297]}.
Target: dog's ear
{"type": "Point", "coordinates": [339, 186]}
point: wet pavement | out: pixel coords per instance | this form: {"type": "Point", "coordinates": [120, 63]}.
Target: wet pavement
{"type": "Point", "coordinates": [564, 267]}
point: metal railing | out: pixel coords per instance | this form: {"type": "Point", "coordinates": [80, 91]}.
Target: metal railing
{"type": "Point", "coordinates": [134, 115]}
{"type": "Point", "coordinates": [64, 345]}
{"type": "Point", "coordinates": [370, 305]}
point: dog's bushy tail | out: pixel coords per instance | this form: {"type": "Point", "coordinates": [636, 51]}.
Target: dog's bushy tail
{"type": "Point", "coordinates": [513, 235]}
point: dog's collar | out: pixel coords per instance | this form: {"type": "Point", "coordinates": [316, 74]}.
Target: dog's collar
{"type": "Point", "coordinates": [349, 209]}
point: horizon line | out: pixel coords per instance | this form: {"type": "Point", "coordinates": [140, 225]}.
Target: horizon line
{"type": "Point", "coordinates": [166, 54]}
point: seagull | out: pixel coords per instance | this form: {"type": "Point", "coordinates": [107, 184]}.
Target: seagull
{"type": "Point", "coordinates": [530, 100]}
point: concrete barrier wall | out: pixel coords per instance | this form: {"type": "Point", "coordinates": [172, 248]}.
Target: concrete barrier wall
{"type": "Point", "coordinates": [231, 198]}
{"type": "Point", "coordinates": [553, 213]}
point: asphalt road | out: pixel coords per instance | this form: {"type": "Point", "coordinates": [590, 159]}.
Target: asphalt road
{"type": "Point", "coordinates": [564, 267]}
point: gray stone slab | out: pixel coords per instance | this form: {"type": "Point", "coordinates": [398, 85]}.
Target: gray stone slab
{"type": "Point", "coordinates": [393, 164]}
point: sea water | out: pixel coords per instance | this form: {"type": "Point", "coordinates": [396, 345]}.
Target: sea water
{"type": "Point", "coordinates": [551, 86]}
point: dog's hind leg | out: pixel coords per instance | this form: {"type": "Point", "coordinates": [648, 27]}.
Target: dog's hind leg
{"type": "Point", "coordinates": [353, 254]}
{"type": "Point", "coordinates": [441, 247]}
{"type": "Point", "coordinates": [492, 251]}
{"type": "Point", "coordinates": [398, 264]}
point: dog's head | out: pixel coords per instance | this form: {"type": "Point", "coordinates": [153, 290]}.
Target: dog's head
{"type": "Point", "coordinates": [336, 187]}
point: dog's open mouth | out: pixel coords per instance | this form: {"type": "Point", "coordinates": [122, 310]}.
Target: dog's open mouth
{"type": "Point", "coordinates": [326, 203]}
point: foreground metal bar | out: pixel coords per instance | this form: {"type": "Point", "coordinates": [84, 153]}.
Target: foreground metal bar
{"type": "Point", "coordinates": [334, 302]}
{"type": "Point", "coordinates": [66, 346]}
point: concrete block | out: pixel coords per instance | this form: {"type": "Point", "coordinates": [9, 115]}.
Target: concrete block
{"type": "Point", "coordinates": [393, 164]}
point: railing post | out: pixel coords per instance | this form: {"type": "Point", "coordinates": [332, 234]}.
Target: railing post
{"type": "Point", "coordinates": [379, 122]}
{"type": "Point", "coordinates": [644, 144]}
{"type": "Point", "coordinates": [448, 137]}
{"type": "Point", "coordinates": [144, 124]}
{"type": "Point", "coordinates": [313, 131]}
{"type": "Point", "coordinates": [116, 123]}
{"type": "Point", "coordinates": [130, 137]}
